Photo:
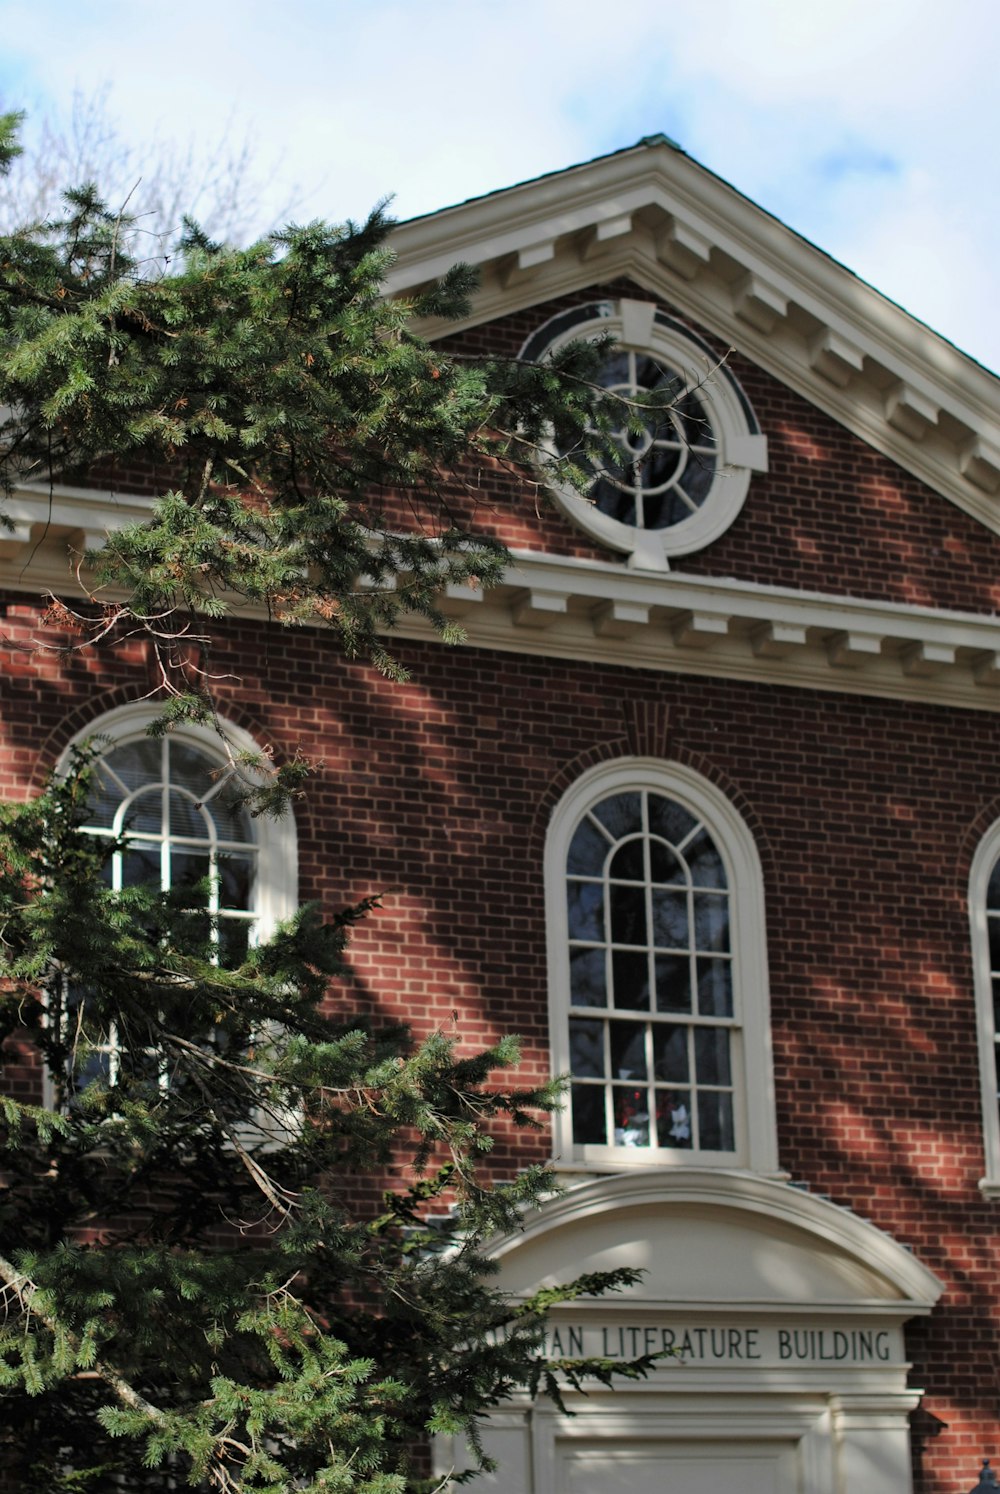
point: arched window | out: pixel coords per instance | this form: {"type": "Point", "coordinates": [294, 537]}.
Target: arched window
{"type": "Point", "coordinates": [658, 979]}
{"type": "Point", "coordinates": [176, 800]}
{"type": "Point", "coordinates": [984, 909]}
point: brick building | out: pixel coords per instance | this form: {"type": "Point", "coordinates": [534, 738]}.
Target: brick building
{"type": "Point", "coordinates": [705, 807]}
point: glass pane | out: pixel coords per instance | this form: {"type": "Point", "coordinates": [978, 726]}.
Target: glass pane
{"type": "Point", "coordinates": [664, 865]}
{"type": "Point", "coordinates": [715, 987]}
{"type": "Point", "coordinates": [137, 763]}
{"type": "Point", "coordinates": [711, 921]}
{"type": "Point", "coordinates": [234, 941]}
{"type": "Point", "coordinates": [141, 866]}
{"type": "Point", "coordinates": [630, 973]}
{"type": "Point", "coordinates": [670, 919]}
{"type": "Point", "coordinates": [697, 478]}
{"type": "Point", "coordinates": [144, 815]}
{"type": "Point", "coordinates": [192, 769]}
{"type": "Point", "coordinates": [715, 1122]}
{"type": "Point", "coordinates": [622, 814]}
{"type": "Point", "coordinates": [103, 799]}
{"type": "Point", "coordinates": [693, 419]}
{"type": "Point", "coordinates": [589, 1121]}
{"type": "Point", "coordinates": [628, 1050]}
{"type": "Point", "coordinates": [609, 499]}
{"type": "Point", "coordinates": [628, 915]}
{"type": "Point", "coordinates": [188, 868]}
{"type": "Point", "coordinates": [673, 983]}
{"type": "Point", "coordinates": [587, 850]}
{"type": "Point", "coordinates": [704, 861]}
{"type": "Point", "coordinates": [996, 1004]}
{"type": "Point", "coordinates": [673, 1119]}
{"type": "Point", "coordinates": [614, 372]}
{"type": "Point", "coordinates": [586, 977]}
{"type": "Point", "coordinates": [670, 1054]}
{"type": "Point", "coordinates": [586, 1049]}
{"type": "Point", "coordinates": [631, 1112]}
{"type": "Point", "coordinates": [187, 819]}
{"type": "Point", "coordinates": [232, 822]}
{"type": "Point", "coordinates": [711, 1055]}
{"type": "Point", "coordinates": [585, 910]}
{"type": "Point", "coordinates": [628, 863]}
{"type": "Point", "coordinates": [669, 819]}
{"type": "Point", "coordinates": [236, 881]}
{"type": "Point", "coordinates": [993, 924]}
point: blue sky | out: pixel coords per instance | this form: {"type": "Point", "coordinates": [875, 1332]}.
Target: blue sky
{"type": "Point", "coordinates": [870, 126]}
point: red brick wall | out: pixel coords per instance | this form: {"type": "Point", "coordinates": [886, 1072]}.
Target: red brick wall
{"type": "Point", "coordinates": [866, 815]}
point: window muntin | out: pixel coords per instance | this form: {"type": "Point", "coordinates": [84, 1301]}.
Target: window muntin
{"type": "Point", "coordinates": [175, 798]}
{"type": "Point", "coordinates": [184, 824]}
{"type": "Point", "coordinates": [658, 992]}
{"type": "Point", "coordinates": [685, 475]}
{"type": "Point", "coordinates": [651, 980]}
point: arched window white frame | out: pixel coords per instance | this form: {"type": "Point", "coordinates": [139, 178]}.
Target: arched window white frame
{"type": "Point", "coordinates": [172, 797]}
{"type": "Point", "coordinates": [984, 912]}
{"type": "Point", "coordinates": [686, 478]}
{"type": "Point", "coordinates": [659, 1079]}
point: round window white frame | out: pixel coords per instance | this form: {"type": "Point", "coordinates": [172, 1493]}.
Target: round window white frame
{"type": "Point", "coordinates": [641, 327]}
{"type": "Point", "coordinates": [276, 892]}
{"type": "Point", "coordinates": [753, 1097]}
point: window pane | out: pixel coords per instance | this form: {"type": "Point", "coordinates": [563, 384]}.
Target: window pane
{"type": "Point", "coordinates": [234, 941]}
{"type": "Point", "coordinates": [186, 819]}
{"type": "Point", "coordinates": [670, 920]}
{"type": "Point", "coordinates": [586, 1049]}
{"type": "Point", "coordinates": [673, 1119]}
{"type": "Point", "coordinates": [136, 763]}
{"type": "Point", "coordinates": [236, 881]}
{"type": "Point", "coordinates": [631, 1110]}
{"type": "Point", "coordinates": [587, 850]}
{"type": "Point", "coordinates": [705, 862]}
{"type": "Point", "coordinates": [145, 813]}
{"type": "Point", "coordinates": [628, 915]}
{"type": "Point", "coordinates": [589, 1122]}
{"type": "Point", "coordinates": [711, 1055]}
{"type": "Point", "coordinates": [628, 862]}
{"type": "Point", "coordinates": [711, 921]}
{"type": "Point", "coordinates": [670, 1054]}
{"type": "Point", "coordinates": [631, 980]}
{"type": "Point", "coordinates": [628, 1050]}
{"type": "Point", "coordinates": [673, 983]}
{"type": "Point", "coordinates": [187, 868]}
{"type": "Point", "coordinates": [715, 1122]}
{"type": "Point", "coordinates": [586, 975]}
{"type": "Point", "coordinates": [622, 814]}
{"type": "Point", "coordinates": [664, 865]}
{"type": "Point", "coordinates": [585, 909]}
{"type": "Point", "coordinates": [140, 866]}
{"type": "Point", "coordinates": [669, 819]}
{"type": "Point", "coordinates": [715, 988]}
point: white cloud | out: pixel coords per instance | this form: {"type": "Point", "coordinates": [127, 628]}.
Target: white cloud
{"type": "Point", "coordinates": [868, 125]}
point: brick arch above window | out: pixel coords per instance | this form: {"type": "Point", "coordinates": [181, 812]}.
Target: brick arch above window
{"type": "Point", "coordinates": [658, 987]}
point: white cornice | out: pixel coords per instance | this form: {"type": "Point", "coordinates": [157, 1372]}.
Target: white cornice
{"type": "Point", "coordinates": [686, 236]}
{"type": "Point", "coordinates": [608, 613]}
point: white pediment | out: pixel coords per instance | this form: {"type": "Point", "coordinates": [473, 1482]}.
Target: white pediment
{"type": "Point", "coordinates": [718, 1238]}
{"type": "Point", "coordinates": [684, 235]}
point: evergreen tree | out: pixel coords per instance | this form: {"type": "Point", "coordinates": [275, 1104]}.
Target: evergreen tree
{"type": "Point", "coordinates": [207, 1276]}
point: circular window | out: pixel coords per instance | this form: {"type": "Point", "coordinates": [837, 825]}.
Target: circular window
{"type": "Point", "coordinates": [685, 469]}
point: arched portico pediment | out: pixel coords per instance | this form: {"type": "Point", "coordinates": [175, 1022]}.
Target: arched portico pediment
{"type": "Point", "coordinates": [714, 1237]}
